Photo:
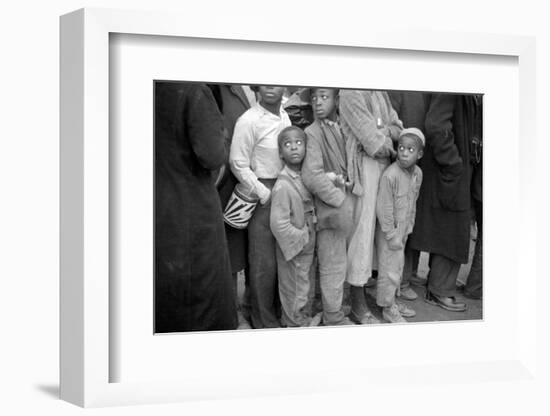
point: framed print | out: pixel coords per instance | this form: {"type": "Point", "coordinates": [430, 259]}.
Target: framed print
{"type": "Point", "coordinates": [110, 353]}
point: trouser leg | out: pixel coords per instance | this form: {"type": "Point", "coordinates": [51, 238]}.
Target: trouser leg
{"type": "Point", "coordinates": [263, 288]}
{"type": "Point", "coordinates": [294, 283]}
{"type": "Point", "coordinates": [442, 275]}
{"type": "Point", "coordinates": [331, 249]}
{"type": "Point", "coordinates": [390, 269]}
{"type": "Point", "coordinates": [474, 284]}
{"type": "Point", "coordinates": [410, 267]}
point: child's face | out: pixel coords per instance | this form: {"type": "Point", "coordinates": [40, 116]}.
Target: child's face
{"type": "Point", "coordinates": [270, 94]}
{"type": "Point", "coordinates": [324, 103]}
{"type": "Point", "coordinates": [408, 152]}
{"type": "Point", "coordinates": [293, 148]}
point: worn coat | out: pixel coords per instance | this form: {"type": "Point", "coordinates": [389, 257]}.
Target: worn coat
{"type": "Point", "coordinates": [326, 153]}
{"type": "Point", "coordinates": [193, 285]}
{"type": "Point", "coordinates": [443, 208]}
{"type": "Point", "coordinates": [361, 111]}
{"type": "Point", "coordinates": [290, 201]}
{"type": "Point", "coordinates": [411, 107]}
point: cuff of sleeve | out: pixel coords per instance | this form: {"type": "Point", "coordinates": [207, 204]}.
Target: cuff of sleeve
{"type": "Point", "coordinates": [381, 138]}
{"type": "Point", "coordinates": [391, 234]}
{"type": "Point", "coordinates": [338, 198]}
{"type": "Point", "coordinates": [263, 193]}
{"type": "Point", "coordinates": [292, 250]}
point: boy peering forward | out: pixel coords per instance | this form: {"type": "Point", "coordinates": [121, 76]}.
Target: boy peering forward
{"type": "Point", "coordinates": [292, 223]}
{"type": "Point", "coordinates": [255, 162]}
{"type": "Point", "coordinates": [395, 211]}
{"type": "Point", "coordinates": [325, 175]}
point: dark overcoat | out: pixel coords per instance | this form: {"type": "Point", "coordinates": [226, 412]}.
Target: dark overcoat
{"type": "Point", "coordinates": [193, 285]}
{"type": "Point", "coordinates": [232, 102]}
{"type": "Point", "coordinates": [444, 204]}
{"type": "Point", "coordinates": [411, 107]}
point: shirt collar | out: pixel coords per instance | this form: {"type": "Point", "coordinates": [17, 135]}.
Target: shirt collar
{"type": "Point", "coordinates": [266, 112]}
{"type": "Point", "coordinates": [293, 174]}
{"type": "Point", "coordinates": [332, 123]}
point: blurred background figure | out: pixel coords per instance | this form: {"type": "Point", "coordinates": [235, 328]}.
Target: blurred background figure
{"type": "Point", "coordinates": [233, 100]}
{"type": "Point", "coordinates": [473, 289]}
{"type": "Point", "coordinates": [193, 286]}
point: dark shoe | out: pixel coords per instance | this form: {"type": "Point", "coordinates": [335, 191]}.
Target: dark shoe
{"type": "Point", "coordinates": [469, 295]}
{"type": "Point", "coordinates": [360, 312]}
{"type": "Point", "coordinates": [448, 303]}
{"type": "Point", "coordinates": [462, 289]}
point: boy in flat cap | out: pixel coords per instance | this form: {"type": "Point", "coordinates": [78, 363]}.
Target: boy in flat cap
{"type": "Point", "coordinates": [395, 211]}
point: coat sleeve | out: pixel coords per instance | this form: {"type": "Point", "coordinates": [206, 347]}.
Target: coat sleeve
{"type": "Point", "coordinates": [205, 129]}
{"type": "Point", "coordinates": [384, 207]}
{"type": "Point", "coordinates": [439, 132]}
{"type": "Point", "coordinates": [440, 137]}
{"type": "Point", "coordinates": [362, 123]}
{"type": "Point", "coordinates": [395, 125]}
{"type": "Point", "coordinates": [314, 175]}
{"type": "Point", "coordinates": [240, 158]}
{"type": "Point", "coordinates": [290, 239]}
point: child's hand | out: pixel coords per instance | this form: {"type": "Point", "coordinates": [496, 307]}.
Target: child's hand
{"type": "Point", "coordinates": [266, 198]}
{"type": "Point", "coordinates": [339, 181]}
{"type": "Point", "coordinates": [331, 176]}
{"type": "Point", "coordinates": [396, 242]}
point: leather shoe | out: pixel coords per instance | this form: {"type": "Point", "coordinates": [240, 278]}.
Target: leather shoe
{"type": "Point", "coordinates": [466, 294]}
{"type": "Point", "coordinates": [449, 303]}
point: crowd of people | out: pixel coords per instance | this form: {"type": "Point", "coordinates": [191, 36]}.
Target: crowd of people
{"type": "Point", "coordinates": [344, 189]}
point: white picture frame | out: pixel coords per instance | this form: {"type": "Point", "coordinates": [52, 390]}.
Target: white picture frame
{"type": "Point", "coordinates": [85, 355]}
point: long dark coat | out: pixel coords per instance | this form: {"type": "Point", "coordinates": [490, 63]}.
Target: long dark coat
{"type": "Point", "coordinates": [193, 285]}
{"type": "Point", "coordinates": [444, 204]}
{"type": "Point", "coordinates": [232, 103]}
{"type": "Point", "coordinates": [411, 107]}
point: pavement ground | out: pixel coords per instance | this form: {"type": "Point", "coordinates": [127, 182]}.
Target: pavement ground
{"type": "Point", "coordinates": [424, 311]}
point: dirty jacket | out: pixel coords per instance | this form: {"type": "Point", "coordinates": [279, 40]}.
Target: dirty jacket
{"type": "Point", "coordinates": [396, 200]}
{"type": "Point", "coordinates": [326, 152]}
{"type": "Point", "coordinates": [291, 205]}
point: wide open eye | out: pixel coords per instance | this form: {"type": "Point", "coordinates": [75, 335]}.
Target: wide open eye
{"type": "Point", "coordinates": [299, 142]}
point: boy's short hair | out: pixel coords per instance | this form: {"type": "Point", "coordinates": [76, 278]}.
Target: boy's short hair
{"type": "Point", "coordinates": [416, 133]}
{"type": "Point", "coordinates": [305, 93]}
{"type": "Point", "coordinates": [288, 129]}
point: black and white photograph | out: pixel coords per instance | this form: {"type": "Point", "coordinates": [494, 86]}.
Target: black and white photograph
{"type": "Point", "coordinates": [306, 206]}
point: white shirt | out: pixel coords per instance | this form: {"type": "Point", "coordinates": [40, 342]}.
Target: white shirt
{"type": "Point", "coordinates": [254, 149]}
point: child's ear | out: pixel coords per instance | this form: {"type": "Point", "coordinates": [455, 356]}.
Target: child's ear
{"type": "Point", "coordinates": [420, 154]}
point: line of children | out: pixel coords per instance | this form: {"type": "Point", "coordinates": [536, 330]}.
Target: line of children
{"type": "Point", "coordinates": [312, 206]}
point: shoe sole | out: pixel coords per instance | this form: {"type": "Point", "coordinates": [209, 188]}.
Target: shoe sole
{"type": "Point", "coordinates": [407, 297]}
{"type": "Point", "coordinates": [436, 303]}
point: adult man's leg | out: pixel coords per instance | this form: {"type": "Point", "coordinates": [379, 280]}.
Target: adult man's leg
{"type": "Point", "coordinates": [442, 283]}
